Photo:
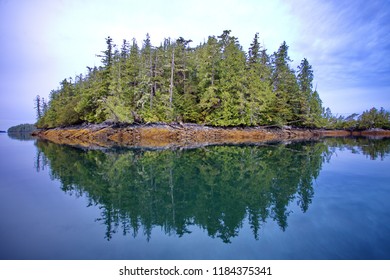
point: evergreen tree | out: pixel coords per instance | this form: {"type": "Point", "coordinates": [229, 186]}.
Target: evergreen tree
{"type": "Point", "coordinates": [259, 95]}
{"type": "Point", "coordinates": [144, 94]}
{"type": "Point", "coordinates": [208, 60]}
{"type": "Point", "coordinates": [38, 107]}
{"type": "Point", "coordinates": [305, 81]}
{"type": "Point", "coordinates": [285, 86]}
{"type": "Point", "coordinates": [232, 74]}
{"type": "Point", "coordinates": [133, 68]}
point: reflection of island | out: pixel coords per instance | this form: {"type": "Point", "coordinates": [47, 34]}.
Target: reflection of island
{"type": "Point", "coordinates": [214, 188]}
{"type": "Point", "coordinates": [23, 136]}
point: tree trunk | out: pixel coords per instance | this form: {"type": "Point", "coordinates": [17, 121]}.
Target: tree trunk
{"type": "Point", "coordinates": [151, 79]}
{"type": "Point", "coordinates": [171, 84]}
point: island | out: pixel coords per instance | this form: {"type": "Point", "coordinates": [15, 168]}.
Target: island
{"type": "Point", "coordinates": [22, 128]}
{"type": "Point", "coordinates": [177, 94]}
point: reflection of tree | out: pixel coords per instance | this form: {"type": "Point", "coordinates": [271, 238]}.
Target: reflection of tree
{"type": "Point", "coordinates": [214, 188]}
{"type": "Point", "coordinates": [373, 148]}
{"type": "Point", "coordinates": [22, 136]}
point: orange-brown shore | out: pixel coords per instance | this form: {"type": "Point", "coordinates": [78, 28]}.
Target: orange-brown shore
{"type": "Point", "coordinates": [184, 135]}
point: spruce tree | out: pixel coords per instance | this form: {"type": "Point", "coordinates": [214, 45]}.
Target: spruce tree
{"type": "Point", "coordinates": [259, 95]}
{"type": "Point", "coordinates": [285, 86]}
{"type": "Point", "coordinates": [38, 107]}
{"type": "Point", "coordinates": [208, 60]}
{"type": "Point", "coordinates": [231, 72]}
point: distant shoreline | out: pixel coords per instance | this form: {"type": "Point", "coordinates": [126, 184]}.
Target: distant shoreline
{"type": "Point", "coordinates": [184, 135]}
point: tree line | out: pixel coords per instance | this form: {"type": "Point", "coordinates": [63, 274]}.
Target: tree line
{"type": "Point", "coordinates": [215, 83]}
{"type": "Point", "coordinates": [369, 119]}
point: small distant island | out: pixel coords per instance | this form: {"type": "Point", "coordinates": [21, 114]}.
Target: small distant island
{"type": "Point", "coordinates": [215, 85]}
{"type": "Point", "coordinates": [22, 128]}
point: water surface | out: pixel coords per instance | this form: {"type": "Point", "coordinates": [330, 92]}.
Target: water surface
{"type": "Point", "coordinates": [302, 200]}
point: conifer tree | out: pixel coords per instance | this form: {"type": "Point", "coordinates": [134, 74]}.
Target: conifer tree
{"type": "Point", "coordinates": [305, 80]}
{"type": "Point", "coordinates": [207, 63]}
{"type": "Point", "coordinates": [285, 87]}
{"type": "Point", "coordinates": [259, 95]}
{"type": "Point", "coordinates": [310, 104]}
{"type": "Point", "coordinates": [38, 107]}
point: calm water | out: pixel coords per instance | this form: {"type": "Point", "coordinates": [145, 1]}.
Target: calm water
{"type": "Point", "coordinates": [308, 200]}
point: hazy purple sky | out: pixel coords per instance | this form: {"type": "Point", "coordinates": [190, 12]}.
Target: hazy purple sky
{"type": "Point", "coordinates": [347, 42]}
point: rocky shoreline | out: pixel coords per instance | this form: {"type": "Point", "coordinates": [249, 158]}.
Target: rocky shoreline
{"type": "Point", "coordinates": [183, 135]}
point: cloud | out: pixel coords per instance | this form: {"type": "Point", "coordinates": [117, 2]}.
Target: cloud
{"type": "Point", "coordinates": [348, 44]}
{"type": "Point", "coordinates": [348, 41]}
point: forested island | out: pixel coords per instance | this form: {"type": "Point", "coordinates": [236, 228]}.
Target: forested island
{"type": "Point", "coordinates": [22, 128]}
{"type": "Point", "coordinates": [215, 83]}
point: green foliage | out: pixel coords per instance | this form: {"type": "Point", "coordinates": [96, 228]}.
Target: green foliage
{"type": "Point", "coordinates": [286, 107]}
{"type": "Point", "coordinates": [259, 95]}
{"type": "Point", "coordinates": [214, 83]}
{"type": "Point", "coordinates": [374, 118]}
{"type": "Point", "coordinates": [370, 119]}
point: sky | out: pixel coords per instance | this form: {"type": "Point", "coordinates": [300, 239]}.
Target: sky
{"type": "Point", "coordinates": [43, 42]}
